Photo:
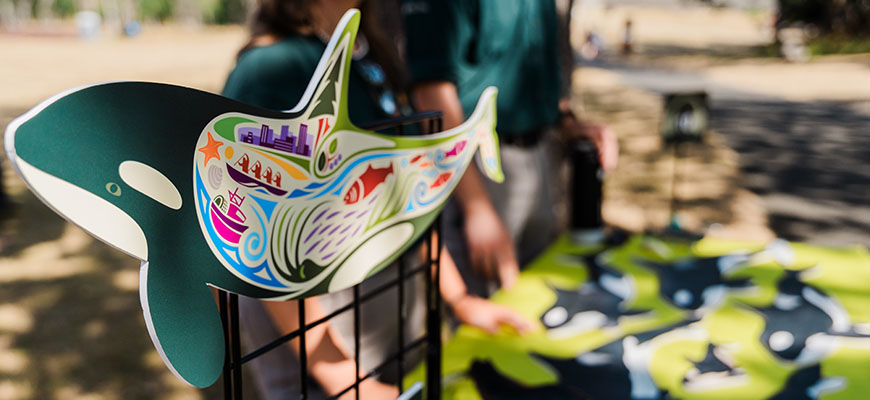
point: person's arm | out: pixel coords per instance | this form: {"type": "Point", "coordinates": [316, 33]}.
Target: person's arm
{"type": "Point", "coordinates": [473, 310]}
{"type": "Point", "coordinates": [489, 243]}
{"type": "Point", "coordinates": [327, 364]}
{"type": "Point", "coordinates": [601, 135]}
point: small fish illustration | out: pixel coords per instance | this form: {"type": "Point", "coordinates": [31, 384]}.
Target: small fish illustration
{"type": "Point", "coordinates": [441, 179]}
{"type": "Point", "coordinates": [455, 150]}
{"type": "Point", "coordinates": [368, 181]}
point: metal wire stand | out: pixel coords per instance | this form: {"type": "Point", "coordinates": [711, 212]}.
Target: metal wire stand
{"type": "Point", "coordinates": [431, 269]}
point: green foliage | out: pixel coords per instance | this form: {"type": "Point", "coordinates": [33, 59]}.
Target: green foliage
{"type": "Point", "coordinates": [836, 44]}
{"type": "Point", "coordinates": [229, 12]}
{"type": "Point", "coordinates": [63, 8]}
{"type": "Point", "coordinates": [160, 10]}
{"type": "Point", "coordinates": [212, 11]}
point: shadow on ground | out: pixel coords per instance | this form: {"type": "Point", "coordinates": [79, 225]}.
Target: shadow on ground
{"type": "Point", "coordinates": [809, 161]}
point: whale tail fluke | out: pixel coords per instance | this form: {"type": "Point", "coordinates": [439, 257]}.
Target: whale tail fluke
{"type": "Point", "coordinates": [483, 121]}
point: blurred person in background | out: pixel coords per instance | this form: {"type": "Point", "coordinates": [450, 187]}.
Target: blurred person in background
{"type": "Point", "coordinates": [273, 69]}
{"type": "Point", "coordinates": [457, 48]}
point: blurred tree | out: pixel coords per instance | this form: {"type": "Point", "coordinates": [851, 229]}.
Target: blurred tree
{"type": "Point", "coordinates": [160, 10]}
{"type": "Point", "coordinates": [841, 17]}
{"type": "Point", "coordinates": [64, 8]}
{"type": "Point", "coordinates": [24, 9]}
{"type": "Point", "coordinates": [189, 11]}
{"type": "Point", "coordinates": [231, 12]}
{"type": "Point", "coordinates": [43, 9]}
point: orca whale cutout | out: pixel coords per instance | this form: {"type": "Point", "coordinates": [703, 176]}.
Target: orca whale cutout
{"type": "Point", "coordinates": [207, 191]}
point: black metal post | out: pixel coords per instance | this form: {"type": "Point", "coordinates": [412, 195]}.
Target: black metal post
{"type": "Point", "coordinates": [401, 336]}
{"type": "Point", "coordinates": [677, 155]}
{"type": "Point", "coordinates": [236, 346]}
{"type": "Point", "coordinates": [356, 339]}
{"type": "Point", "coordinates": [303, 351]}
{"type": "Point", "coordinates": [227, 378]}
{"type": "Point", "coordinates": [433, 313]}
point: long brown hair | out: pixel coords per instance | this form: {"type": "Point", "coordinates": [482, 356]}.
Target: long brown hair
{"type": "Point", "coordinates": [283, 18]}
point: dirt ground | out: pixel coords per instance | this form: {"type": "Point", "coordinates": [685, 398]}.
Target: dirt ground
{"type": "Point", "coordinates": [788, 143]}
{"type": "Point", "coordinates": [70, 322]}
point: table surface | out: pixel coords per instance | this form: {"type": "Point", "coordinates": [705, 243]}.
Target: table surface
{"type": "Point", "coordinates": [657, 317]}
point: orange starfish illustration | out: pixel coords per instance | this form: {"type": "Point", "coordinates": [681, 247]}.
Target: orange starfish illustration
{"type": "Point", "coordinates": [211, 149]}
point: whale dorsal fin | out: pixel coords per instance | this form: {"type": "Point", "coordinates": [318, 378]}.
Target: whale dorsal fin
{"type": "Point", "coordinates": [326, 94]}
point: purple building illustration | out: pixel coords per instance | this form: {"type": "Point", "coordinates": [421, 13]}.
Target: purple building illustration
{"type": "Point", "coordinates": [302, 147]}
{"type": "Point", "coordinates": [264, 136]}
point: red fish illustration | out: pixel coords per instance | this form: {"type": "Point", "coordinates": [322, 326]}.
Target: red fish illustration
{"type": "Point", "coordinates": [440, 180]}
{"type": "Point", "coordinates": [455, 150]}
{"type": "Point", "coordinates": [368, 181]}
{"type": "Point", "coordinates": [415, 159]}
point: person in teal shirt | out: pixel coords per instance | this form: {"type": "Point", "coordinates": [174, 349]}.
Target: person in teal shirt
{"type": "Point", "coordinates": [272, 71]}
{"type": "Point", "coordinates": [455, 48]}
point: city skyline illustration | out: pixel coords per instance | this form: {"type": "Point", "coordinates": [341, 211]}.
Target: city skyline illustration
{"type": "Point", "coordinates": [287, 142]}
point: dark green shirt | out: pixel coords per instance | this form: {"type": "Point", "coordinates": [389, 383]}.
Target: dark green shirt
{"type": "Point", "coordinates": [275, 77]}
{"type": "Point", "coordinates": [511, 44]}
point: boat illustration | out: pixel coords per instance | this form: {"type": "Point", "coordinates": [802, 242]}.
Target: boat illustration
{"type": "Point", "coordinates": [228, 219]}
{"type": "Point", "coordinates": [242, 179]}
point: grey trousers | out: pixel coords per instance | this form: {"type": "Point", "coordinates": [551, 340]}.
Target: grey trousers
{"type": "Point", "coordinates": [525, 201]}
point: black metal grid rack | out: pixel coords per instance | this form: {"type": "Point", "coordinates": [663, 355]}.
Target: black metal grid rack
{"type": "Point", "coordinates": [430, 268]}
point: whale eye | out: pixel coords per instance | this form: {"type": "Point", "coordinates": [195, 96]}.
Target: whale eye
{"type": "Point", "coordinates": [113, 189]}
{"type": "Point", "coordinates": [150, 182]}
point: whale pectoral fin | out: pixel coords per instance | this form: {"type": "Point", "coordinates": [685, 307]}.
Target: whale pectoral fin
{"type": "Point", "coordinates": [183, 322]}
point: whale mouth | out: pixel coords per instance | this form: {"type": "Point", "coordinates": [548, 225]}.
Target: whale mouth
{"type": "Point", "coordinates": [92, 213]}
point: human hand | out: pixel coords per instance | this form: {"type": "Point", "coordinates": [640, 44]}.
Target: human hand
{"type": "Point", "coordinates": [488, 316]}
{"type": "Point", "coordinates": [601, 135]}
{"type": "Point", "coordinates": [490, 246]}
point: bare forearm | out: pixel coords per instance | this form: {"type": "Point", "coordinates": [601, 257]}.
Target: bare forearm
{"type": "Point", "coordinates": [327, 362]}
{"type": "Point", "coordinates": [451, 284]}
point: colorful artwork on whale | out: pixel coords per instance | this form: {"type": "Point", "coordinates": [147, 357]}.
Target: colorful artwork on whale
{"type": "Point", "coordinates": [267, 204]}
{"type": "Point", "coordinates": [667, 318]}
{"type": "Point", "coordinates": [321, 207]}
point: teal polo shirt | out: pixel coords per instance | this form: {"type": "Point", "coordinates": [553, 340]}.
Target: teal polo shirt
{"type": "Point", "coordinates": [275, 77]}
{"type": "Point", "coordinates": [510, 44]}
